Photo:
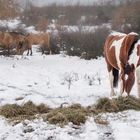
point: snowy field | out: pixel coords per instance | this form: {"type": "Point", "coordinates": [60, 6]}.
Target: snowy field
{"type": "Point", "coordinates": [53, 80]}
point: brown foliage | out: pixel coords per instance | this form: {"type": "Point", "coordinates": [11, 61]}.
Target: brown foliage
{"type": "Point", "coordinates": [9, 9]}
{"type": "Point", "coordinates": [127, 17]}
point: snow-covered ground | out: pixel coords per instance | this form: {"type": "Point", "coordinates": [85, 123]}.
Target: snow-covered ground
{"type": "Point", "coordinates": [46, 79]}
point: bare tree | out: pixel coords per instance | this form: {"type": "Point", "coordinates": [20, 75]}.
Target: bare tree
{"type": "Point", "coordinates": [127, 17]}
{"type": "Point", "coordinates": [9, 9]}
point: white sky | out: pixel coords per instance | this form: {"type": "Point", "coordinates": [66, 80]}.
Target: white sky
{"type": "Point", "coordinates": [44, 2]}
{"type": "Point", "coordinates": [64, 1]}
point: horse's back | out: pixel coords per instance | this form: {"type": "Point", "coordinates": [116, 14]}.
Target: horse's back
{"type": "Point", "coordinates": [112, 49]}
{"type": "Point", "coordinates": [118, 47]}
{"type": "Point", "coordinates": [40, 38]}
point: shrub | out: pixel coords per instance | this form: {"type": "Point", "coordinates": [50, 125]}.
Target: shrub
{"type": "Point", "coordinates": [91, 43]}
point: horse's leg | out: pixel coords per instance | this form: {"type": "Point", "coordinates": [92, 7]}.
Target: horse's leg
{"type": "Point", "coordinates": [50, 50]}
{"type": "Point", "coordinates": [28, 51]}
{"type": "Point", "coordinates": [42, 48]}
{"type": "Point", "coordinates": [31, 52]}
{"type": "Point", "coordinates": [122, 83]}
{"type": "Point", "coordinates": [138, 79]}
{"type": "Point", "coordinates": [129, 82]}
{"type": "Point", "coordinates": [8, 50]}
{"type": "Point", "coordinates": [113, 77]}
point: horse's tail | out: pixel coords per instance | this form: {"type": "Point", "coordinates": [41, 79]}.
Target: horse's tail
{"type": "Point", "coordinates": [116, 77]}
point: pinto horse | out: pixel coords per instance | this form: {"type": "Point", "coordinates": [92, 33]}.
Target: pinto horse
{"type": "Point", "coordinates": [122, 55]}
{"type": "Point", "coordinates": [42, 39]}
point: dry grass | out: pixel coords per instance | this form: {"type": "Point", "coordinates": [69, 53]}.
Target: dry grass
{"type": "Point", "coordinates": [117, 104]}
{"type": "Point", "coordinates": [28, 109]}
{"type": "Point", "coordinates": [74, 113]}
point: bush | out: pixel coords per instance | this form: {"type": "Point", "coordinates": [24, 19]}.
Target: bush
{"type": "Point", "coordinates": [91, 43]}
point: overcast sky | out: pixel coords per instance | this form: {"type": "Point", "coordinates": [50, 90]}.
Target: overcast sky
{"type": "Point", "coordinates": [45, 2]}
{"type": "Point", "coordinates": [65, 1]}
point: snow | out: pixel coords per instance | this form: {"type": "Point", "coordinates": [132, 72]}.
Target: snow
{"type": "Point", "coordinates": [31, 29]}
{"type": "Point", "coordinates": [114, 33]}
{"type": "Point", "coordinates": [84, 29]}
{"type": "Point", "coordinates": [10, 24]}
{"type": "Point", "coordinates": [43, 79]}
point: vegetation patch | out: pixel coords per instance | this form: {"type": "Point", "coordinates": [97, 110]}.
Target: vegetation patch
{"type": "Point", "coordinates": [74, 113]}
{"type": "Point", "coordinates": [28, 109]}
{"type": "Point", "coordinates": [117, 104]}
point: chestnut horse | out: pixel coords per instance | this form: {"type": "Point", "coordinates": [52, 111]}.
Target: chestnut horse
{"type": "Point", "coordinates": [42, 39]}
{"type": "Point", "coordinates": [122, 55]}
{"type": "Point", "coordinates": [10, 40]}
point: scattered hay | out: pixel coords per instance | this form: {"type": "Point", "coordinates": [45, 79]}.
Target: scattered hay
{"type": "Point", "coordinates": [117, 104]}
{"type": "Point", "coordinates": [42, 108]}
{"type": "Point", "coordinates": [25, 111]}
{"type": "Point", "coordinates": [106, 105]}
{"type": "Point", "coordinates": [59, 118]}
{"type": "Point", "coordinates": [76, 116]}
{"type": "Point", "coordinates": [129, 102]}
{"type": "Point", "coordinates": [10, 111]}
{"type": "Point", "coordinates": [30, 108]}
{"type": "Point", "coordinates": [74, 113]}
{"type": "Point", "coordinates": [100, 120]}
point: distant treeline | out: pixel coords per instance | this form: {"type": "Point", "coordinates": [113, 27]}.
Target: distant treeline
{"type": "Point", "coordinates": [123, 17]}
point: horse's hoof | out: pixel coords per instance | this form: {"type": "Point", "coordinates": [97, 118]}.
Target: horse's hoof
{"type": "Point", "coordinates": [124, 94]}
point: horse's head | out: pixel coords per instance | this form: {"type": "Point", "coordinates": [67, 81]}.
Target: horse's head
{"type": "Point", "coordinates": [21, 43]}
{"type": "Point", "coordinates": [129, 77]}
{"type": "Point", "coordinates": [132, 67]}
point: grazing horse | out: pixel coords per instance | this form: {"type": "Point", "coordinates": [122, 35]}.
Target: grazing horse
{"type": "Point", "coordinates": [122, 55]}
{"type": "Point", "coordinates": [42, 39]}
{"type": "Point", "coordinates": [10, 40]}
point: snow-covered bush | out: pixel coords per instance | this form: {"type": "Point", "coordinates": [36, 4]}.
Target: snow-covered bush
{"type": "Point", "coordinates": [69, 78]}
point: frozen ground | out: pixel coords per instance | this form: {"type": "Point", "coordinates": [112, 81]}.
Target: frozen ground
{"type": "Point", "coordinates": [53, 80]}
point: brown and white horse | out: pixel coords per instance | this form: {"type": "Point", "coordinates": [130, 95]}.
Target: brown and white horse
{"type": "Point", "coordinates": [122, 55]}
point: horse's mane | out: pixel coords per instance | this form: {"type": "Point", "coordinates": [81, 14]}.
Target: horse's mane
{"type": "Point", "coordinates": [133, 45]}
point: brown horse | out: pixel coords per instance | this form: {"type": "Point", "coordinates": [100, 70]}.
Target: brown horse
{"type": "Point", "coordinates": [42, 39]}
{"type": "Point", "coordinates": [10, 40]}
{"type": "Point", "coordinates": [122, 55]}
